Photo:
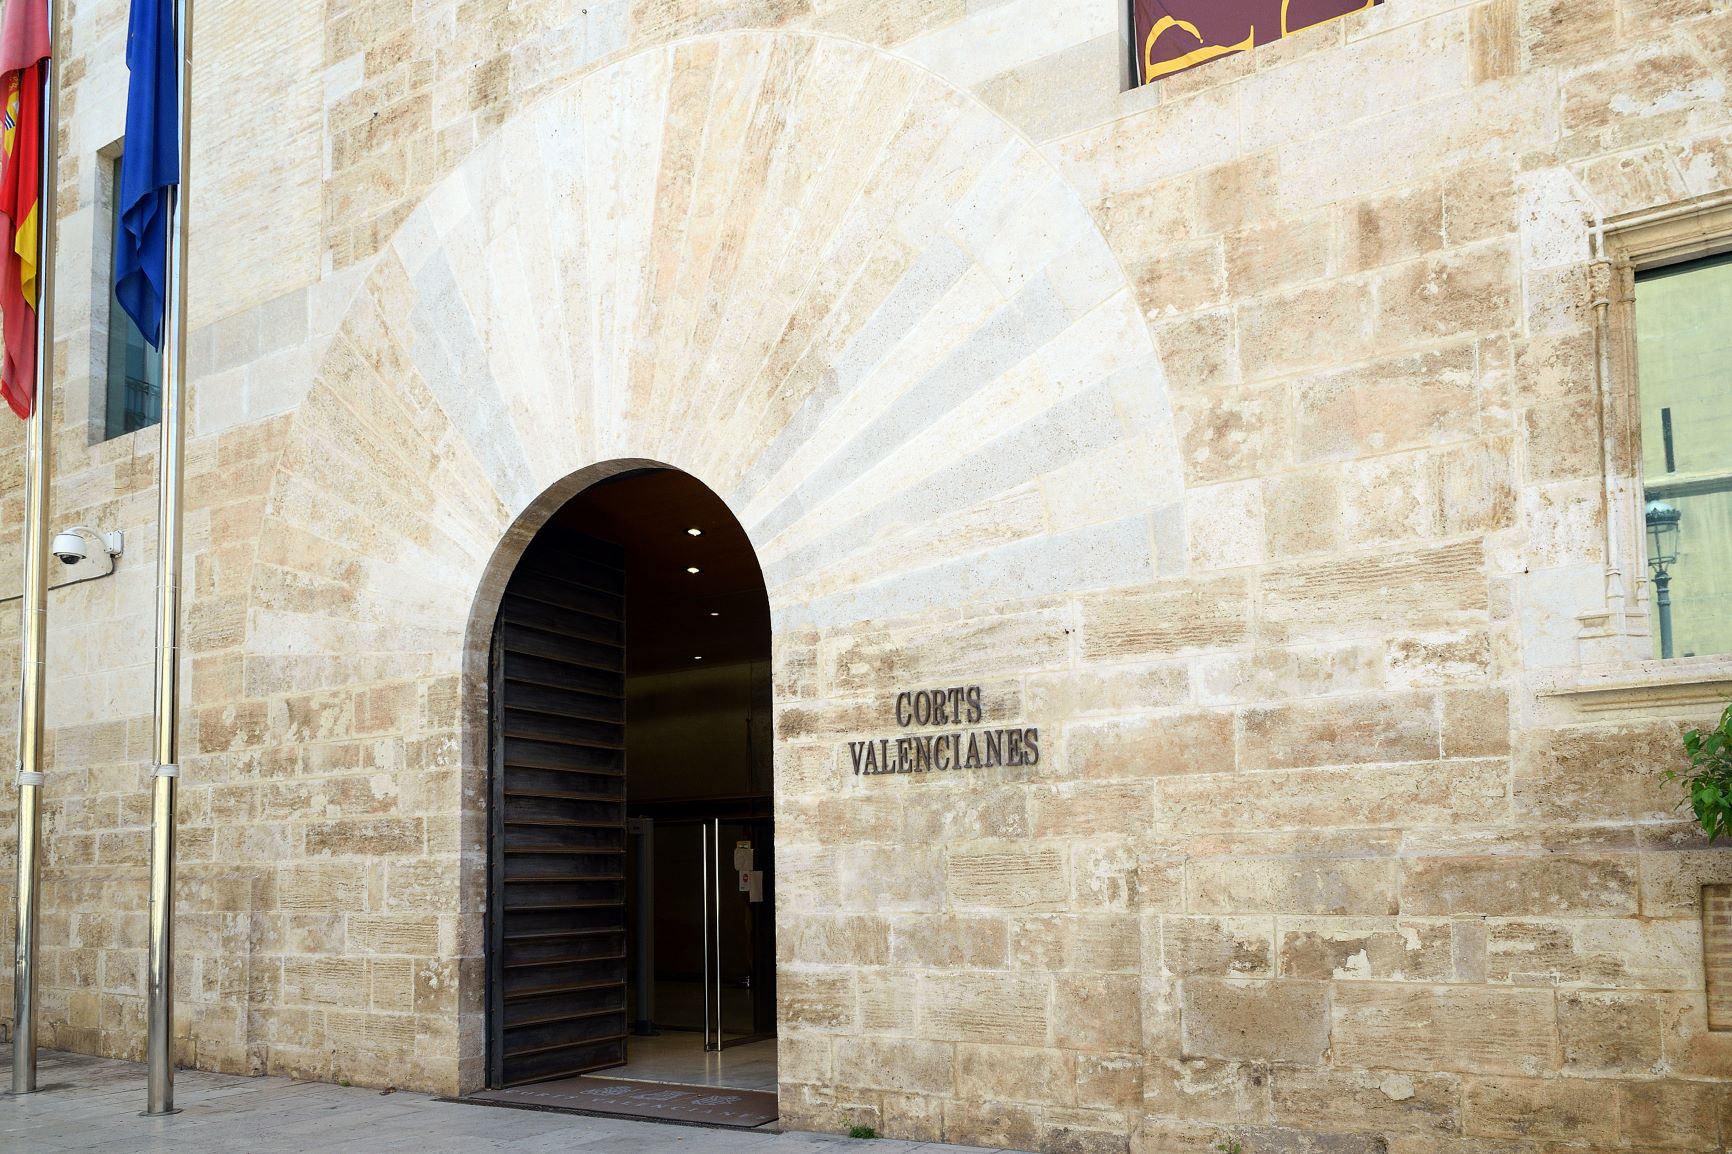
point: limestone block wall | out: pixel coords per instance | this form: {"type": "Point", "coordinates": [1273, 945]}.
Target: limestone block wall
{"type": "Point", "coordinates": [1239, 433]}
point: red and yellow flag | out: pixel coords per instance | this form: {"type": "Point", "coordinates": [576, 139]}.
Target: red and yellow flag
{"type": "Point", "coordinates": [23, 50]}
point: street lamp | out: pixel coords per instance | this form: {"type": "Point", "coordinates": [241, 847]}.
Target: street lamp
{"type": "Point", "coordinates": [1663, 551]}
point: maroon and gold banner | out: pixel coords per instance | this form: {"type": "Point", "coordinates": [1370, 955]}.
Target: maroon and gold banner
{"type": "Point", "coordinates": [1173, 35]}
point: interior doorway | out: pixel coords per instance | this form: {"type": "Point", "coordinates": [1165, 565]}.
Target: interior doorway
{"type": "Point", "coordinates": [631, 931]}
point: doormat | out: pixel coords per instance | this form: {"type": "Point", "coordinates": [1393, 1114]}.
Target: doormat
{"type": "Point", "coordinates": [655, 1101]}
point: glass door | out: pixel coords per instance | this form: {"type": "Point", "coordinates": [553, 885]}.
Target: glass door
{"type": "Point", "coordinates": [739, 953]}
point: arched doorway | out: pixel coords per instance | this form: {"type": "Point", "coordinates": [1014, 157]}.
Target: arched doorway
{"type": "Point", "coordinates": [630, 925]}
{"type": "Point", "coordinates": [520, 340]}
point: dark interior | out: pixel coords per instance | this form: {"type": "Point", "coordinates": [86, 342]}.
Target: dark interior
{"type": "Point", "coordinates": [720, 613]}
{"type": "Point", "coordinates": [685, 656]}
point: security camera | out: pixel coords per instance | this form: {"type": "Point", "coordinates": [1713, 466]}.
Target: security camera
{"type": "Point", "coordinates": [70, 548]}
{"type": "Point", "coordinates": [70, 545]}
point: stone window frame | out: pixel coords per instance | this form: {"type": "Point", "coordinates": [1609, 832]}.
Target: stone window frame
{"type": "Point", "coordinates": [1617, 672]}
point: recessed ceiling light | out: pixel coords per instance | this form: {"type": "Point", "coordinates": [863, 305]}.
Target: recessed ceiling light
{"type": "Point", "coordinates": [715, 615]}
{"type": "Point", "coordinates": [698, 658]}
{"type": "Point", "coordinates": [694, 532]}
{"type": "Point", "coordinates": [693, 569]}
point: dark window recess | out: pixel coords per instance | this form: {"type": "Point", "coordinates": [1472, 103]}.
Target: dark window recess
{"type": "Point", "coordinates": [134, 367]}
{"type": "Point", "coordinates": [1666, 432]}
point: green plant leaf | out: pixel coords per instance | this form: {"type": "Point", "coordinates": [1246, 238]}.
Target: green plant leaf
{"type": "Point", "coordinates": [1708, 782]}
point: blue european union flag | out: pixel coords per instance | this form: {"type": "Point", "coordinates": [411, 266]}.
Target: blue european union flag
{"type": "Point", "coordinates": [149, 166]}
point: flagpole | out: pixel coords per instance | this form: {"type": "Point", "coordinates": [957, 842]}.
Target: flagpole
{"type": "Point", "coordinates": [38, 454]}
{"type": "Point", "coordinates": [159, 1034]}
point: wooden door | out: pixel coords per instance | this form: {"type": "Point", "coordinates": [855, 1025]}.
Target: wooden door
{"type": "Point", "coordinates": [556, 894]}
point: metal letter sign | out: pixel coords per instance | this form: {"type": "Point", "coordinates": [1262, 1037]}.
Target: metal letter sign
{"type": "Point", "coordinates": [950, 717]}
{"type": "Point", "coordinates": [1173, 35]}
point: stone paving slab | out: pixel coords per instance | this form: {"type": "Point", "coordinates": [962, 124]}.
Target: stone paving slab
{"type": "Point", "coordinates": [93, 1104]}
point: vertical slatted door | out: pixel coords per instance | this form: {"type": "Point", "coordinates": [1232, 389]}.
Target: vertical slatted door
{"type": "Point", "coordinates": [557, 836]}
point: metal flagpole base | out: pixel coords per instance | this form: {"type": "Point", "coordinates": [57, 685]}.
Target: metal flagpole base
{"type": "Point", "coordinates": [159, 1113]}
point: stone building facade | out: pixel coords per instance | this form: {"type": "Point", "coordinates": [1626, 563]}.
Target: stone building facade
{"type": "Point", "coordinates": [1262, 436]}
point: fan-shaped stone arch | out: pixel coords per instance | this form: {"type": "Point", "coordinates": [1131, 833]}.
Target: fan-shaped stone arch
{"type": "Point", "coordinates": [842, 293]}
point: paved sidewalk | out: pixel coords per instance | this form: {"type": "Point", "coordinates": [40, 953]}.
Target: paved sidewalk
{"type": "Point", "coordinates": [92, 1104]}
